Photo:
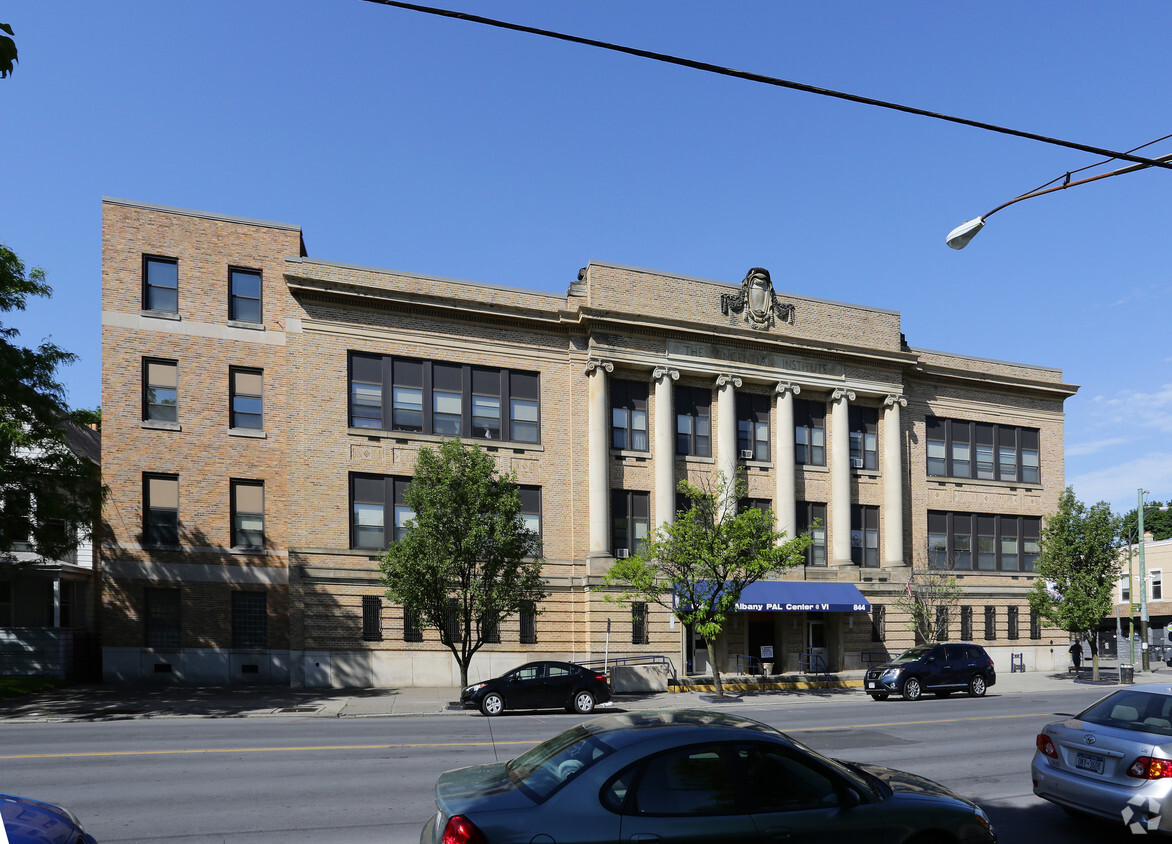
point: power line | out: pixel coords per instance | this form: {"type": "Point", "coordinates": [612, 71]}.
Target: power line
{"type": "Point", "coordinates": [769, 80]}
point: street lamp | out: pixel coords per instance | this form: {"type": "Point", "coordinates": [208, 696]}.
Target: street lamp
{"type": "Point", "coordinates": [959, 237]}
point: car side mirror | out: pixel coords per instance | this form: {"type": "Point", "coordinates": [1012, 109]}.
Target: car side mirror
{"type": "Point", "coordinates": [930, 660]}
{"type": "Point", "coordinates": [850, 799]}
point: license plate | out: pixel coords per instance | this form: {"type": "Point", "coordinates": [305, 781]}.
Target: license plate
{"type": "Point", "coordinates": [1089, 762]}
{"type": "Point", "coordinates": [870, 685]}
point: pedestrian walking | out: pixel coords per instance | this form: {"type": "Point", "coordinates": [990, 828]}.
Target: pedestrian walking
{"type": "Point", "coordinates": [1076, 655]}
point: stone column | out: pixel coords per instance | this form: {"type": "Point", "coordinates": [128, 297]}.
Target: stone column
{"type": "Point", "coordinates": [785, 503]}
{"type": "Point", "coordinates": [726, 431]}
{"type": "Point", "coordinates": [892, 481]}
{"type": "Point", "coordinates": [840, 478]}
{"type": "Point", "coordinates": [664, 453]}
{"type": "Point", "coordinates": [598, 450]}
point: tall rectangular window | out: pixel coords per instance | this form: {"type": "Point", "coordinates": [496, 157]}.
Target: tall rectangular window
{"type": "Point", "coordinates": [248, 514]}
{"type": "Point", "coordinates": [982, 450]}
{"type": "Point", "coordinates": [161, 618]}
{"type": "Point", "coordinates": [1012, 619]}
{"type": "Point", "coordinates": [865, 535]}
{"type": "Point", "coordinates": [160, 390]}
{"type": "Point", "coordinates": [455, 623]}
{"type": "Point", "coordinates": [412, 631]}
{"type": "Point", "coordinates": [243, 295]}
{"type": "Point", "coordinates": [366, 392]}
{"type": "Point", "coordinates": [531, 507]}
{"type": "Point", "coordinates": [878, 622]}
{"type": "Point", "coordinates": [864, 437]}
{"type": "Point", "coordinates": [1125, 588]}
{"type": "Point", "coordinates": [812, 519]}
{"type": "Point", "coordinates": [161, 509]}
{"type": "Point", "coordinates": [628, 415]}
{"type": "Point", "coordinates": [486, 403]}
{"type": "Point", "coordinates": [966, 623]}
{"type": "Point", "coordinates": [1035, 625]}
{"type": "Point", "coordinates": [406, 395]}
{"type": "Point", "coordinates": [377, 501]}
{"type": "Point", "coordinates": [1157, 578]}
{"type": "Point", "coordinates": [247, 399]}
{"type": "Point", "coordinates": [693, 421]}
{"type": "Point", "coordinates": [249, 620]}
{"type": "Point", "coordinates": [810, 432]}
{"type": "Point", "coordinates": [372, 618]}
{"type": "Point", "coordinates": [524, 407]}
{"type": "Point", "coordinates": [753, 426]}
{"type": "Point", "coordinates": [990, 622]}
{"type": "Point", "coordinates": [447, 403]}
{"type": "Point", "coordinates": [639, 633]}
{"type": "Point", "coordinates": [160, 284]}
{"type": "Point", "coordinates": [1002, 543]}
{"type": "Point", "coordinates": [941, 623]}
{"type": "Point", "coordinates": [528, 619]}
{"type": "Point", "coordinates": [631, 515]}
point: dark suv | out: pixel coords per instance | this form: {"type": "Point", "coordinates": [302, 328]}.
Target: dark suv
{"type": "Point", "coordinates": [942, 669]}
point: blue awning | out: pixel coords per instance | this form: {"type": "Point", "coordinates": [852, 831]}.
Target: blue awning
{"type": "Point", "coordinates": [802, 596]}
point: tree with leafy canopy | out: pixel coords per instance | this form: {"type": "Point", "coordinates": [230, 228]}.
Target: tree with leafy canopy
{"type": "Point", "coordinates": [697, 566]}
{"type": "Point", "coordinates": [50, 496]}
{"type": "Point", "coordinates": [466, 561]}
{"type": "Point", "coordinates": [1077, 568]}
{"type": "Point", "coordinates": [7, 51]}
{"type": "Point", "coordinates": [1157, 522]}
{"type": "Point", "coordinates": [931, 595]}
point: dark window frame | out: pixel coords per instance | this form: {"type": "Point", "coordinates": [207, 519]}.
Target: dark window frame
{"type": "Point", "coordinates": [239, 533]}
{"type": "Point", "coordinates": [412, 627]}
{"type": "Point", "coordinates": [632, 507]}
{"type": "Point", "coordinates": [753, 411]}
{"type": "Point", "coordinates": [863, 422]}
{"type": "Point", "coordinates": [159, 532]}
{"type": "Point", "coordinates": [162, 618]}
{"type": "Point", "coordinates": [809, 432]}
{"type": "Point", "coordinates": [956, 448]}
{"type": "Point", "coordinates": [372, 618]}
{"type": "Point", "coordinates": [235, 299]}
{"type": "Point", "coordinates": [630, 399]}
{"type": "Point", "coordinates": [693, 404]}
{"type": "Point", "coordinates": [864, 522]}
{"type": "Point", "coordinates": [527, 619]}
{"type": "Point", "coordinates": [817, 554]}
{"type": "Point", "coordinates": [987, 536]}
{"type": "Point", "coordinates": [387, 492]}
{"type": "Point", "coordinates": [250, 628]}
{"type": "Point", "coordinates": [1035, 625]}
{"type": "Point", "coordinates": [1012, 619]}
{"type": "Point", "coordinates": [149, 388]}
{"type": "Point", "coordinates": [990, 623]}
{"type": "Point", "coordinates": [151, 287]}
{"type": "Point", "coordinates": [878, 622]}
{"type": "Point", "coordinates": [240, 418]}
{"type": "Point", "coordinates": [640, 624]}
{"type": "Point", "coordinates": [454, 621]}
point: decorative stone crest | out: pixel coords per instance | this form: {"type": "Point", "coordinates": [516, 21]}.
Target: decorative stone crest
{"type": "Point", "coordinates": [757, 301]}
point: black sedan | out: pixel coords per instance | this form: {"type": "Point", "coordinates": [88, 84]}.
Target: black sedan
{"type": "Point", "coordinates": [539, 685]}
{"type": "Point", "coordinates": [692, 775]}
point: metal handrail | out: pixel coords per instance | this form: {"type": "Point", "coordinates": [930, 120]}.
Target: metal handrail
{"type": "Point", "coordinates": [809, 662]}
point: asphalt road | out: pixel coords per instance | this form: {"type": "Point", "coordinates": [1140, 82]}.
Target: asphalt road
{"type": "Point", "coordinates": [370, 779]}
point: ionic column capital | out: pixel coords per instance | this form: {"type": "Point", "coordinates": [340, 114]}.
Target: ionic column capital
{"type": "Point", "coordinates": [665, 372]}
{"type": "Point", "coordinates": [894, 401]}
{"type": "Point", "coordinates": [728, 378]}
{"type": "Point", "coordinates": [598, 363]}
{"type": "Point", "coordinates": [843, 393]}
{"type": "Point", "coordinates": [783, 387]}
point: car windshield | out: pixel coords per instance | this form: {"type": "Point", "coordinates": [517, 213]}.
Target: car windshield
{"type": "Point", "coordinates": [912, 655]}
{"type": "Point", "coordinates": [1131, 709]}
{"type": "Point", "coordinates": [542, 770]}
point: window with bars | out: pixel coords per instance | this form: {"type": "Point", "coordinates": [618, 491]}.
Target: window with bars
{"type": "Point", "coordinates": [249, 620]}
{"type": "Point", "coordinates": [160, 390]}
{"type": "Point", "coordinates": [990, 623]}
{"type": "Point", "coordinates": [810, 432]}
{"type": "Point", "coordinates": [753, 426]}
{"type": "Point", "coordinates": [942, 626]}
{"type": "Point", "coordinates": [639, 627]}
{"type": "Point", "coordinates": [246, 407]}
{"type": "Point", "coordinates": [491, 631]}
{"type": "Point", "coordinates": [528, 620]}
{"type": "Point", "coordinates": [628, 415]}
{"type": "Point", "coordinates": [812, 519]}
{"type": "Point", "coordinates": [1011, 620]}
{"type": "Point", "coordinates": [160, 284]}
{"type": "Point", "coordinates": [161, 618]}
{"type": "Point", "coordinates": [412, 631]}
{"type": "Point", "coordinates": [1035, 625]}
{"type": "Point", "coordinates": [982, 450]}
{"type": "Point", "coordinates": [983, 542]}
{"type": "Point", "coordinates": [693, 421]}
{"type": "Point", "coordinates": [865, 535]}
{"type": "Point", "coordinates": [454, 623]}
{"type": "Point", "coordinates": [966, 623]}
{"type": "Point", "coordinates": [372, 618]}
{"type": "Point", "coordinates": [248, 514]}
{"type": "Point", "coordinates": [244, 295]}
{"type": "Point", "coordinates": [161, 509]}
{"type": "Point", "coordinates": [878, 622]}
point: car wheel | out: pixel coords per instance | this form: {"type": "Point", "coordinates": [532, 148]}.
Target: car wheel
{"type": "Point", "coordinates": [583, 703]}
{"type": "Point", "coordinates": [912, 690]}
{"type": "Point", "coordinates": [493, 704]}
{"type": "Point", "coordinates": [881, 696]}
{"type": "Point", "coordinates": [977, 686]}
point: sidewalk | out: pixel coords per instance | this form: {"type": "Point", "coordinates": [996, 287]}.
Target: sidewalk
{"type": "Point", "coordinates": [94, 702]}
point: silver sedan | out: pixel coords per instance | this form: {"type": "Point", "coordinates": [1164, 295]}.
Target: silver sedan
{"type": "Point", "coordinates": [1113, 760]}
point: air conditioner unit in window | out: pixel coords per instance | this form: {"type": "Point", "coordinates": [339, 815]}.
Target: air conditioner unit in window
{"type": "Point", "coordinates": [746, 454]}
{"type": "Point", "coordinates": [621, 553]}
{"type": "Point", "coordinates": [856, 463]}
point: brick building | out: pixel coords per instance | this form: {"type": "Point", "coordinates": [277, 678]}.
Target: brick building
{"type": "Point", "coordinates": [262, 412]}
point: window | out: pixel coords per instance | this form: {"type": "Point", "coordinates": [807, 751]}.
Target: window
{"type": "Point", "coordinates": [778, 779]}
{"type": "Point", "coordinates": [753, 426]}
{"type": "Point", "coordinates": [981, 450]}
{"type": "Point", "coordinates": [812, 520]}
{"type": "Point", "coordinates": [451, 400]}
{"type": "Point", "coordinates": [412, 631]}
{"type": "Point", "coordinates": [878, 622]}
{"type": "Point", "coordinates": [966, 623]}
{"type": "Point", "coordinates": [810, 432]}
{"type": "Point", "coordinates": [247, 400]}
{"type": "Point", "coordinates": [1012, 617]}
{"type": "Point", "coordinates": [628, 415]}
{"type": "Point", "coordinates": [1157, 585]}
{"type": "Point", "coordinates": [161, 509]}
{"type": "Point", "coordinates": [249, 620]}
{"type": "Point", "coordinates": [639, 634]}
{"type": "Point", "coordinates": [693, 421]}
{"type": "Point", "coordinates": [864, 437]}
{"type": "Point", "coordinates": [531, 508]}
{"type": "Point", "coordinates": [161, 618]}
{"type": "Point", "coordinates": [941, 623]}
{"type": "Point", "coordinates": [375, 502]}
{"type": "Point", "coordinates": [160, 390]}
{"type": "Point", "coordinates": [1002, 543]}
{"type": "Point", "coordinates": [687, 781]}
{"type": "Point", "coordinates": [1125, 588]}
{"type": "Point", "coordinates": [372, 618]}
{"type": "Point", "coordinates": [17, 515]}
{"type": "Point", "coordinates": [631, 517]}
{"type": "Point", "coordinates": [244, 295]}
{"type": "Point", "coordinates": [454, 622]}
{"type": "Point", "coordinates": [528, 619]}
{"type": "Point", "coordinates": [1035, 625]}
{"type": "Point", "coordinates": [990, 623]}
{"type": "Point", "coordinates": [160, 284]}
{"type": "Point", "coordinates": [248, 514]}
{"type": "Point", "coordinates": [865, 535]}
{"type": "Point", "coordinates": [491, 631]}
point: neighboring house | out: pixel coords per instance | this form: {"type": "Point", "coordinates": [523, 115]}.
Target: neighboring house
{"type": "Point", "coordinates": [1157, 566]}
{"type": "Point", "coordinates": [47, 606]}
{"type": "Point", "coordinates": [263, 411]}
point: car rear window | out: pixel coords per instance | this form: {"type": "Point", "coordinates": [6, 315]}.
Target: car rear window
{"type": "Point", "coordinates": [1131, 709]}
{"type": "Point", "coordinates": [544, 769]}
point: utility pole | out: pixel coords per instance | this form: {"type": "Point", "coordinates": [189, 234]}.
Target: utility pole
{"type": "Point", "coordinates": [1143, 585]}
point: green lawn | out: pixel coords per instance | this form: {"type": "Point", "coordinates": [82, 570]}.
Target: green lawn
{"type": "Point", "coordinates": [13, 686]}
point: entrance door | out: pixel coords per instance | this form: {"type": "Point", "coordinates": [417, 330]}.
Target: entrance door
{"type": "Point", "coordinates": [761, 636]}
{"type": "Point", "coordinates": [697, 653]}
{"type": "Point", "coordinates": [816, 645]}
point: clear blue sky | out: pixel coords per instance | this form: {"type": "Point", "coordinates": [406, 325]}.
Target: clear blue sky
{"type": "Point", "coordinates": [434, 146]}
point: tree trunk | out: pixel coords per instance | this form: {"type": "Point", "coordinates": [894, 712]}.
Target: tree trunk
{"type": "Point", "coordinates": [1095, 664]}
{"type": "Point", "coordinates": [715, 667]}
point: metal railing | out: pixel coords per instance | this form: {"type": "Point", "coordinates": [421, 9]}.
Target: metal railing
{"type": "Point", "coordinates": [650, 659]}
{"type": "Point", "coordinates": [746, 664]}
{"type": "Point", "coordinates": [812, 663]}
{"type": "Point", "coordinates": [873, 658]}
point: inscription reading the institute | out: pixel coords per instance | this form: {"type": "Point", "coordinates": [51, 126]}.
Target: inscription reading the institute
{"type": "Point", "coordinates": [749, 357]}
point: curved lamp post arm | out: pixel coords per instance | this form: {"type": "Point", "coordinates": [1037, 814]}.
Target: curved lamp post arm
{"type": "Point", "coordinates": [959, 237]}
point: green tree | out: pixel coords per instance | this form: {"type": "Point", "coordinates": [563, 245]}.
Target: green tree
{"type": "Point", "coordinates": [50, 496]}
{"type": "Point", "coordinates": [697, 566]}
{"type": "Point", "coordinates": [1157, 522]}
{"type": "Point", "coordinates": [931, 596]}
{"type": "Point", "coordinates": [1078, 568]}
{"type": "Point", "coordinates": [467, 561]}
{"type": "Point", "coordinates": [7, 51]}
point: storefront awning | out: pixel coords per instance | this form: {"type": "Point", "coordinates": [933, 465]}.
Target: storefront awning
{"type": "Point", "coordinates": [802, 596]}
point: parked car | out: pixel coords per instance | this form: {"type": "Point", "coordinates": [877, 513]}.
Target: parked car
{"type": "Point", "coordinates": [539, 685]}
{"type": "Point", "coordinates": [691, 775]}
{"type": "Point", "coordinates": [942, 669]}
{"type": "Point", "coordinates": [1113, 760]}
{"type": "Point", "coordinates": [27, 821]}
